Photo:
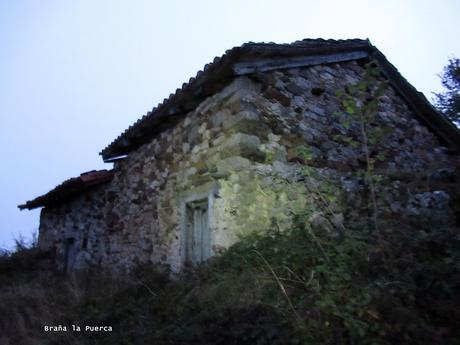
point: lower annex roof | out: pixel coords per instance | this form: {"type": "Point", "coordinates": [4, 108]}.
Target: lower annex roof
{"type": "Point", "coordinates": [70, 188]}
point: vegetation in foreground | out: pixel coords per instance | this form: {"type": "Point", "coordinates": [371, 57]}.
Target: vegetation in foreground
{"type": "Point", "coordinates": [296, 287]}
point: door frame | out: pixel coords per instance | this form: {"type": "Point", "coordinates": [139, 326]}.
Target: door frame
{"type": "Point", "coordinates": [203, 193]}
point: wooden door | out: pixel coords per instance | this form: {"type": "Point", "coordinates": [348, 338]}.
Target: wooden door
{"type": "Point", "coordinates": [198, 235]}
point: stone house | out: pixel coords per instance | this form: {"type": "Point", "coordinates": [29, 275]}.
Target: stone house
{"type": "Point", "coordinates": [221, 156]}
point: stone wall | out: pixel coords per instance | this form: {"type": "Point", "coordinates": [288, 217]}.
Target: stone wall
{"type": "Point", "coordinates": [247, 148]}
{"type": "Point", "coordinates": [419, 179]}
{"type": "Point", "coordinates": [81, 220]}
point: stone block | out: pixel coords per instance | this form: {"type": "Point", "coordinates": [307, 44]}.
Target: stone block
{"type": "Point", "coordinates": [231, 164]}
{"type": "Point", "coordinates": [244, 145]}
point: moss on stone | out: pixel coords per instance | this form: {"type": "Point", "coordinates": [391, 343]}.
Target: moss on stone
{"type": "Point", "coordinates": [255, 207]}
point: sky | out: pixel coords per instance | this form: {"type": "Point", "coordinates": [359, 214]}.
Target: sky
{"type": "Point", "coordinates": [74, 74]}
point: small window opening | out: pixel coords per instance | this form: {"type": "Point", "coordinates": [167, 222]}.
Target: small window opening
{"type": "Point", "coordinates": [84, 243]}
{"type": "Point", "coordinates": [317, 91]}
{"type": "Point", "coordinates": [69, 254]}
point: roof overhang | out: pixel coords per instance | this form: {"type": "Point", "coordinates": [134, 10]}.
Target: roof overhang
{"type": "Point", "coordinates": [261, 57]}
{"type": "Point", "coordinates": [69, 189]}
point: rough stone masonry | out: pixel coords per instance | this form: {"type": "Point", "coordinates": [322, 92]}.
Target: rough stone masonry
{"type": "Point", "coordinates": [247, 150]}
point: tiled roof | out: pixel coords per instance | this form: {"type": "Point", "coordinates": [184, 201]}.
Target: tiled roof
{"type": "Point", "coordinates": [255, 57]}
{"type": "Point", "coordinates": [70, 188]}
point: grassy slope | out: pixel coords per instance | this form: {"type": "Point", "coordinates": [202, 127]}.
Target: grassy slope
{"type": "Point", "coordinates": [281, 288]}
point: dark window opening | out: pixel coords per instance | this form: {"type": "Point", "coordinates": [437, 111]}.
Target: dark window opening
{"type": "Point", "coordinates": [84, 243]}
{"type": "Point", "coordinates": [69, 254]}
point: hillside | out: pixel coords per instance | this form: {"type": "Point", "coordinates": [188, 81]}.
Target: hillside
{"type": "Point", "coordinates": [303, 286]}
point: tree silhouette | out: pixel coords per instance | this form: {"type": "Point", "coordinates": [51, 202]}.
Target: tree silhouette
{"type": "Point", "coordinates": [448, 102]}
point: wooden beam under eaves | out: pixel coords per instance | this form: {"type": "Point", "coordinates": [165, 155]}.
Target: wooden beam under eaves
{"type": "Point", "coordinates": [264, 65]}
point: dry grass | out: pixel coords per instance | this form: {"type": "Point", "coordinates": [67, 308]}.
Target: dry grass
{"type": "Point", "coordinates": [284, 288]}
